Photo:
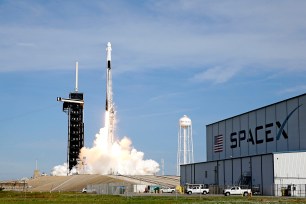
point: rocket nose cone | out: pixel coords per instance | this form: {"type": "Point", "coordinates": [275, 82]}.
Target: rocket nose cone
{"type": "Point", "coordinates": [109, 44]}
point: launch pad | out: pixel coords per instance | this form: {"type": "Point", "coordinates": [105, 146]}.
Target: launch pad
{"type": "Point", "coordinates": [103, 157]}
{"type": "Point", "coordinates": [74, 106]}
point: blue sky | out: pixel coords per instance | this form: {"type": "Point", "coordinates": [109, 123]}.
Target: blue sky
{"type": "Point", "coordinates": [207, 59]}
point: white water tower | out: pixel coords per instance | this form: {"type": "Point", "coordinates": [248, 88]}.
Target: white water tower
{"type": "Point", "coordinates": [185, 143]}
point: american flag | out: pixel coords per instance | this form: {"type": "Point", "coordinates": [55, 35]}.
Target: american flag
{"type": "Point", "coordinates": [218, 145]}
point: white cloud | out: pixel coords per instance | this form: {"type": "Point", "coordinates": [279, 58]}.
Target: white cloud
{"type": "Point", "coordinates": [216, 74]}
{"type": "Point", "coordinates": [159, 34]}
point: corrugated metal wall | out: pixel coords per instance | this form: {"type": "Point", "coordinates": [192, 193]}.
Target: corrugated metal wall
{"type": "Point", "coordinates": [267, 171]}
{"type": "Point", "coordinates": [229, 172]}
{"type": "Point", "coordinates": [290, 168]}
{"type": "Point", "coordinates": [290, 173]}
{"type": "Point", "coordinates": [255, 132]}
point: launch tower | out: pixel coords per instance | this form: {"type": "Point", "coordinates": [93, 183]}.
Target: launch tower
{"type": "Point", "coordinates": [74, 106]}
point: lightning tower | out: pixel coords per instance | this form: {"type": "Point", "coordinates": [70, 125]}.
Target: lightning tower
{"type": "Point", "coordinates": [109, 106]}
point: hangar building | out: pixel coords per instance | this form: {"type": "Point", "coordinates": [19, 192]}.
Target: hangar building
{"type": "Point", "coordinates": [263, 148]}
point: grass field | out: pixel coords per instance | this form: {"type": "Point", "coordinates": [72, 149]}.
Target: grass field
{"type": "Point", "coordinates": [28, 198]}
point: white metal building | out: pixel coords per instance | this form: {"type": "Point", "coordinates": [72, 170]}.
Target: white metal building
{"type": "Point", "coordinates": [265, 147]}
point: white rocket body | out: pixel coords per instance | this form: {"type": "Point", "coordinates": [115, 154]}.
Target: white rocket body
{"type": "Point", "coordinates": [109, 95]}
{"type": "Point", "coordinates": [109, 106]}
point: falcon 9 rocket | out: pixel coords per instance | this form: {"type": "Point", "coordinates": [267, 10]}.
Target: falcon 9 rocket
{"type": "Point", "coordinates": [109, 106]}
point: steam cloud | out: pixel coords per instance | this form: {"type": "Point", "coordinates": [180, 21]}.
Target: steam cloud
{"type": "Point", "coordinates": [119, 157]}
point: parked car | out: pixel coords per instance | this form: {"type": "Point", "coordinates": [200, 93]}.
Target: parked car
{"type": "Point", "coordinates": [236, 190]}
{"type": "Point", "coordinates": [168, 190]}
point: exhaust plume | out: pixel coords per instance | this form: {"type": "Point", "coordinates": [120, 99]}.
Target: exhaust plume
{"type": "Point", "coordinates": [119, 157]}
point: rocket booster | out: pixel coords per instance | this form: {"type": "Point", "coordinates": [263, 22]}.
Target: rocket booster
{"type": "Point", "coordinates": [108, 77]}
{"type": "Point", "coordinates": [109, 106]}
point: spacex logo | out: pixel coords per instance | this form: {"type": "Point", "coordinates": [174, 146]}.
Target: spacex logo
{"type": "Point", "coordinates": [252, 135]}
{"type": "Point", "coordinates": [281, 128]}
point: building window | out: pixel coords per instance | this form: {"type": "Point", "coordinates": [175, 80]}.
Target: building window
{"type": "Point", "coordinates": [205, 174]}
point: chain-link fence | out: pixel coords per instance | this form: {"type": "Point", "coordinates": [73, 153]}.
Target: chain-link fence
{"type": "Point", "coordinates": [110, 188]}
{"type": "Point", "coordinates": [218, 189]}
{"type": "Point", "coordinates": [298, 190]}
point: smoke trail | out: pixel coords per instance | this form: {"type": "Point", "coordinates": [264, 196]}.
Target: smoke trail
{"type": "Point", "coordinates": [119, 157]}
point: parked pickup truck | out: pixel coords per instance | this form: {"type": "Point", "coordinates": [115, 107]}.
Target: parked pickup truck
{"type": "Point", "coordinates": [236, 190]}
{"type": "Point", "coordinates": [196, 188]}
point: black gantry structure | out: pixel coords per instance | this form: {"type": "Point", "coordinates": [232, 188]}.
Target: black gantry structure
{"type": "Point", "coordinates": [75, 128]}
{"type": "Point", "coordinates": [74, 106]}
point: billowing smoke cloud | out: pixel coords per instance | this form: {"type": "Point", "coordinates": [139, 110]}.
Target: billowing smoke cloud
{"type": "Point", "coordinates": [61, 170]}
{"type": "Point", "coordinates": [119, 157]}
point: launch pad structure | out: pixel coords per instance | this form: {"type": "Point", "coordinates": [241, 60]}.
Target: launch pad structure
{"type": "Point", "coordinates": [74, 107]}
